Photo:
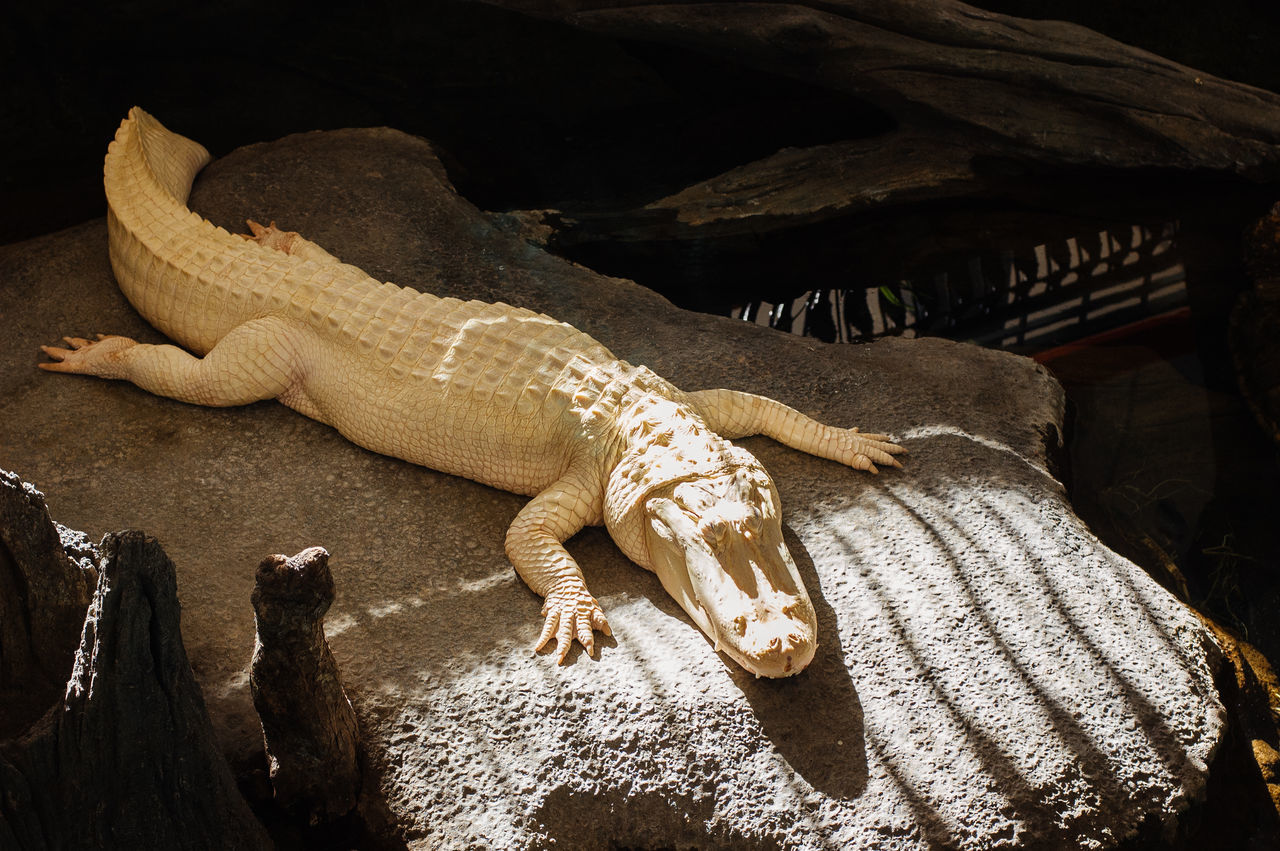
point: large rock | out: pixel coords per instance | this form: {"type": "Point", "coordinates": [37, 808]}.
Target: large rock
{"type": "Point", "coordinates": [989, 674]}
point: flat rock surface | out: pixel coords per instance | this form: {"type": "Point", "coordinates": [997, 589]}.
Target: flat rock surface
{"type": "Point", "coordinates": [988, 674]}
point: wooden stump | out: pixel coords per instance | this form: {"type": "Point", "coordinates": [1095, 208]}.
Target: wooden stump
{"type": "Point", "coordinates": [126, 757]}
{"type": "Point", "coordinates": [308, 725]}
{"type": "Point", "coordinates": [43, 597]}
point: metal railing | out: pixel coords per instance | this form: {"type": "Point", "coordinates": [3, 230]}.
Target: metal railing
{"type": "Point", "coordinates": [1022, 297]}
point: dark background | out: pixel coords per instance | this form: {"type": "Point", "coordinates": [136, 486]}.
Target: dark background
{"type": "Point", "coordinates": [529, 113]}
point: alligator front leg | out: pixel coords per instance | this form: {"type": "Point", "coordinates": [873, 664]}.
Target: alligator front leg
{"type": "Point", "coordinates": [256, 360]}
{"type": "Point", "coordinates": [535, 546]}
{"type": "Point", "coordinates": [732, 414]}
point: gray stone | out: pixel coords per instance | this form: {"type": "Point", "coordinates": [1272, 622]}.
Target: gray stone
{"type": "Point", "coordinates": [988, 674]}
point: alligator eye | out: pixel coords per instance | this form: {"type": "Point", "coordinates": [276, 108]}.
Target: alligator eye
{"type": "Point", "coordinates": [753, 522]}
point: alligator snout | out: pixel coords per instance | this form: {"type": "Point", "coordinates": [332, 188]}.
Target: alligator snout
{"type": "Point", "coordinates": [727, 565]}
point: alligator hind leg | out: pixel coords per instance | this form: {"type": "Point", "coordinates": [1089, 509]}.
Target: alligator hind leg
{"type": "Point", "coordinates": [731, 413]}
{"type": "Point", "coordinates": [261, 359]}
{"type": "Point", "coordinates": [288, 241]}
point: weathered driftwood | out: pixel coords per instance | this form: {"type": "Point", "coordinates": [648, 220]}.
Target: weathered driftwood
{"type": "Point", "coordinates": [976, 98]}
{"type": "Point", "coordinates": [43, 597]}
{"type": "Point", "coordinates": [308, 724]}
{"type": "Point", "coordinates": [125, 757]}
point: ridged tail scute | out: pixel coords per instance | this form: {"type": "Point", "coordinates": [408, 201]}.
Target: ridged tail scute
{"type": "Point", "coordinates": [145, 150]}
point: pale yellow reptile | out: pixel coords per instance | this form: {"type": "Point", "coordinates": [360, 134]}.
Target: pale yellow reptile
{"type": "Point", "coordinates": [496, 393]}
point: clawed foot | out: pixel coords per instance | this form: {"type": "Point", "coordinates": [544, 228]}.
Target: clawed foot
{"type": "Point", "coordinates": [101, 357]}
{"type": "Point", "coordinates": [863, 451]}
{"type": "Point", "coordinates": [271, 236]}
{"type": "Point", "coordinates": [571, 613]}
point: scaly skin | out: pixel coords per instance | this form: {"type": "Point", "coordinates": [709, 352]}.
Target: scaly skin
{"type": "Point", "coordinates": [495, 393]}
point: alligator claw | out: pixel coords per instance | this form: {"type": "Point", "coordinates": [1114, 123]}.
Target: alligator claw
{"type": "Point", "coordinates": [269, 236]}
{"type": "Point", "coordinates": [87, 357]}
{"type": "Point", "coordinates": [864, 451]}
{"type": "Point", "coordinates": [570, 614]}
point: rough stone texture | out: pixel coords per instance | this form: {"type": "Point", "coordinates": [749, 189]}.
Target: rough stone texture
{"type": "Point", "coordinates": [988, 673]}
{"type": "Point", "coordinates": [126, 757]}
{"type": "Point", "coordinates": [308, 725]}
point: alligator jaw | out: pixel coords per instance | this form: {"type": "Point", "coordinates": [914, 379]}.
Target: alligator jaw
{"type": "Point", "coordinates": [741, 587]}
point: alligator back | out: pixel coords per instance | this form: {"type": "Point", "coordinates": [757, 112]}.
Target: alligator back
{"type": "Point", "coordinates": [392, 368]}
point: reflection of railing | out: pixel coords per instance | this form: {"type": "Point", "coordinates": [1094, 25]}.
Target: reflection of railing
{"type": "Point", "coordinates": [1037, 296]}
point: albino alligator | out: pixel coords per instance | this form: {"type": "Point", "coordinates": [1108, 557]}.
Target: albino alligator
{"type": "Point", "coordinates": [496, 393]}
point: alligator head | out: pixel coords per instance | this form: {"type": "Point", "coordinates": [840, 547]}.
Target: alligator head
{"type": "Point", "coordinates": [704, 515]}
{"type": "Point", "coordinates": [716, 544]}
